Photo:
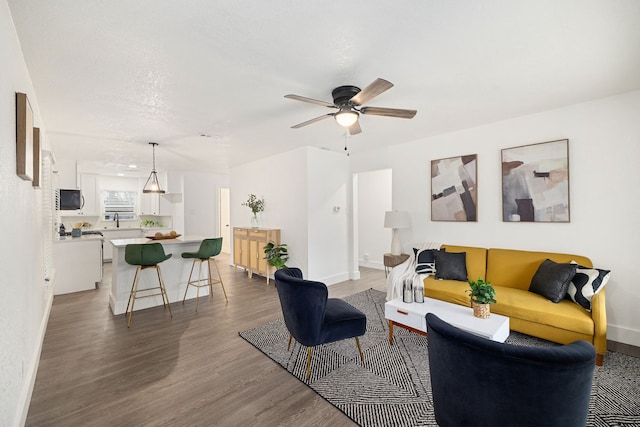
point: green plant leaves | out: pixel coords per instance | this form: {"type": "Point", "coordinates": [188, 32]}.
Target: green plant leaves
{"type": "Point", "coordinates": [481, 292]}
{"type": "Point", "coordinates": [276, 255]}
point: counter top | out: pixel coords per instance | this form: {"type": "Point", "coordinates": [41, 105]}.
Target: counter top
{"type": "Point", "coordinates": [142, 240]}
{"type": "Point", "coordinates": [68, 239]}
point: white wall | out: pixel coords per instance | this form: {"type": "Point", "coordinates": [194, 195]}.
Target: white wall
{"type": "Point", "coordinates": [200, 198]}
{"type": "Point", "coordinates": [25, 302]}
{"type": "Point", "coordinates": [329, 210]}
{"type": "Point", "coordinates": [374, 198]}
{"type": "Point", "coordinates": [604, 148]}
{"type": "Point", "coordinates": [300, 188]}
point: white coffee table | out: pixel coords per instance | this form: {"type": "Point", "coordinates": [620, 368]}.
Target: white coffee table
{"type": "Point", "coordinates": [411, 316]}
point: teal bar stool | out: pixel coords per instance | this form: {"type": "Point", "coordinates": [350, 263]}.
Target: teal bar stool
{"type": "Point", "coordinates": [144, 256]}
{"type": "Point", "coordinates": [209, 249]}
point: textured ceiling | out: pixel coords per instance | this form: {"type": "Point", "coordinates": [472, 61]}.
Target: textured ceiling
{"type": "Point", "coordinates": [110, 76]}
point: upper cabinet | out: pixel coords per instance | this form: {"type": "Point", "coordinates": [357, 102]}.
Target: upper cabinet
{"type": "Point", "coordinates": [174, 182]}
{"type": "Point", "coordinates": [89, 188]}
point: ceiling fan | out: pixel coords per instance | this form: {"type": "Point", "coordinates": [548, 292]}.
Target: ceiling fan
{"type": "Point", "coordinates": [348, 100]}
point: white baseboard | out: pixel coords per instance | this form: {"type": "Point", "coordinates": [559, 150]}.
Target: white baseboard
{"type": "Point", "coordinates": [623, 335]}
{"type": "Point", "coordinates": [371, 264]}
{"type": "Point", "coordinates": [32, 368]}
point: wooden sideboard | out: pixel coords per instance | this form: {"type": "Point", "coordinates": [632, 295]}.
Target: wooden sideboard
{"type": "Point", "coordinates": [248, 249]}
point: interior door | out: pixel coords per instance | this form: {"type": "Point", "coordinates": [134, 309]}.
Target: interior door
{"type": "Point", "coordinates": [224, 215]}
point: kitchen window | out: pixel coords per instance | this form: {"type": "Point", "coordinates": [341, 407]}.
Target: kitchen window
{"type": "Point", "coordinates": [121, 202]}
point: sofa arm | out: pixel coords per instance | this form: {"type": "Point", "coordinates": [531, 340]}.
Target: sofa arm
{"type": "Point", "coordinates": [599, 316]}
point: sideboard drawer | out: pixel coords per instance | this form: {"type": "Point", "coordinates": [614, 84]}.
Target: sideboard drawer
{"type": "Point", "coordinates": [258, 234]}
{"type": "Point", "coordinates": [240, 232]}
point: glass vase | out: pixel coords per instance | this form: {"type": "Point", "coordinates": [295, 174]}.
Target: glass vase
{"type": "Point", "coordinates": [255, 221]}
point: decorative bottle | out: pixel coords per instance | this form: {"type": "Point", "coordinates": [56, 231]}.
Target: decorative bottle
{"type": "Point", "coordinates": [407, 290]}
{"type": "Point", "coordinates": [418, 293]}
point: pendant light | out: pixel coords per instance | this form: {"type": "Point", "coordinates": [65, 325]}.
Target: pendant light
{"type": "Point", "coordinates": [152, 185]}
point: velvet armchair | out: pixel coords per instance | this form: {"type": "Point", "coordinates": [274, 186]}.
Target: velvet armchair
{"type": "Point", "coordinates": [313, 318]}
{"type": "Point", "coordinates": [478, 382]}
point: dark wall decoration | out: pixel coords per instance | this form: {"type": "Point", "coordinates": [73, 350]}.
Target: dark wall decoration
{"type": "Point", "coordinates": [24, 137]}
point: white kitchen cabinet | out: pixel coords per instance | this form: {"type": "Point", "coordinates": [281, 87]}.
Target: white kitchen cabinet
{"type": "Point", "coordinates": [78, 263]}
{"type": "Point", "coordinates": [89, 188]}
{"type": "Point", "coordinates": [117, 233]}
{"type": "Point", "coordinates": [149, 204]}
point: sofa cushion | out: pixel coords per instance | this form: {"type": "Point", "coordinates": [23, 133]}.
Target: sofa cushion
{"type": "Point", "coordinates": [585, 284]}
{"type": "Point", "coordinates": [522, 265]}
{"type": "Point", "coordinates": [521, 304]}
{"type": "Point", "coordinates": [451, 265]}
{"type": "Point", "coordinates": [425, 261]}
{"type": "Point", "coordinates": [453, 291]}
{"type": "Point", "coordinates": [552, 280]}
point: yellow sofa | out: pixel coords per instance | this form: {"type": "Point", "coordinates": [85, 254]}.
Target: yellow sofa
{"type": "Point", "coordinates": [510, 272]}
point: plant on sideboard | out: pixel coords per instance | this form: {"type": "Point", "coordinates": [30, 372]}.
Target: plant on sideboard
{"type": "Point", "coordinates": [276, 254]}
{"type": "Point", "coordinates": [256, 205]}
{"type": "Point", "coordinates": [482, 294]}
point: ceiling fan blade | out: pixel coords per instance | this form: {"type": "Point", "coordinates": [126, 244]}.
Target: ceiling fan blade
{"type": "Point", "coordinates": [310, 100]}
{"type": "Point", "coordinates": [389, 112]}
{"type": "Point", "coordinates": [371, 91]}
{"type": "Point", "coordinates": [308, 122]}
{"type": "Point", "coordinates": [355, 128]}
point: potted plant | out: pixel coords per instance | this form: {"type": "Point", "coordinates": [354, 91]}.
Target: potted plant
{"type": "Point", "coordinates": [482, 295]}
{"type": "Point", "coordinates": [256, 205]}
{"type": "Point", "coordinates": [276, 255]}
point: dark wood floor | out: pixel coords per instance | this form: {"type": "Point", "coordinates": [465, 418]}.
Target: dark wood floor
{"type": "Point", "coordinates": [193, 370]}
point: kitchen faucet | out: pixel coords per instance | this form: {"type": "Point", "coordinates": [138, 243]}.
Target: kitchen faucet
{"type": "Point", "coordinates": [116, 218]}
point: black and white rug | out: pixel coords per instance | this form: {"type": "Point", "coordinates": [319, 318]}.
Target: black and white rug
{"type": "Point", "coordinates": [394, 388]}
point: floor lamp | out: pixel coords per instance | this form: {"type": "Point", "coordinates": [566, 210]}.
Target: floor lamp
{"type": "Point", "coordinates": [396, 220]}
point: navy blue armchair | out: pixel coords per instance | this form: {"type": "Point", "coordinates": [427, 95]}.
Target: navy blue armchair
{"type": "Point", "coordinates": [311, 317]}
{"type": "Point", "coordinates": [478, 382]}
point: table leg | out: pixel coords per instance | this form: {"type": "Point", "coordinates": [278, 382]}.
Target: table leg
{"type": "Point", "coordinates": [390, 332]}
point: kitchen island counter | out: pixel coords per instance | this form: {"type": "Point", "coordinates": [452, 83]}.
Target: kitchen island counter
{"type": "Point", "coordinates": [175, 273]}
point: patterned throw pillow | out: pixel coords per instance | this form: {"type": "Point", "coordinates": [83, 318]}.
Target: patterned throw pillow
{"type": "Point", "coordinates": [585, 284]}
{"type": "Point", "coordinates": [425, 261]}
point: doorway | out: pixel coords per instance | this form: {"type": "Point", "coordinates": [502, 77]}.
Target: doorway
{"type": "Point", "coordinates": [225, 219]}
{"type": "Point", "coordinates": [372, 198]}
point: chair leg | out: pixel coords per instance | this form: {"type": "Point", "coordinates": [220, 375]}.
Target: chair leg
{"type": "Point", "coordinates": [189, 281]}
{"type": "Point", "coordinates": [309, 350]}
{"type": "Point", "coordinates": [198, 284]}
{"type": "Point", "coordinates": [360, 351]}
{"type": "Point", "coordinates": [289, 346]}
{"type": "Point", "coordinates": [132, 296]}
{"type": "Point", "coordinates": [215, 263]}
{"type": "Point", "coordinates": [163, 291]}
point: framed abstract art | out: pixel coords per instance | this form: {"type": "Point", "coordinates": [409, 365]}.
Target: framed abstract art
{"type": "Point", "coordinates": [535, 182]}
{"type": "Point", "coordinates": [24, 137]}
{"type": "Point", "coordinates": [454, 194]}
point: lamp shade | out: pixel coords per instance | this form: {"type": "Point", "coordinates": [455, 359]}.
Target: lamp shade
{"type": "Point", "coordinates": [396, 219]}
{"type": "Point", "coordinates": [346, 117]}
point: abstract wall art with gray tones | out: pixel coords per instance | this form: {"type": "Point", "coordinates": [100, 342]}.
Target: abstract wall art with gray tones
{"type": "Point", "coordinates": [535, 182]}
{"type": "Point", "coordinates": [454, 194]}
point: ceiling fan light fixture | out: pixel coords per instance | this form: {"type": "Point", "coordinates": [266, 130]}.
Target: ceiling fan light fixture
{"type": "Point", "coordinates": [346, 117]}
{"type": "Point", "coordinates": [153, 185]}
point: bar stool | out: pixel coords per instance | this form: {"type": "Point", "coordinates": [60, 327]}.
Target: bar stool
{"type": "Point", "coordinates": [209, 248]}
{"type": "Point", "coordinates": [144, 256]}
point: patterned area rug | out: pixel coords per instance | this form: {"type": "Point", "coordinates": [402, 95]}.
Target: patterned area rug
{"type": "Point", "coordinates": [394, 388]}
